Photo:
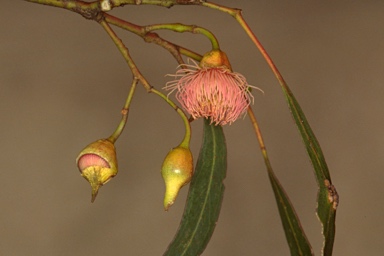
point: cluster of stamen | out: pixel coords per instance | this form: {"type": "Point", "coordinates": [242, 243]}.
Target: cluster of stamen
{"type": "Point", "coordinates": [211, 92]}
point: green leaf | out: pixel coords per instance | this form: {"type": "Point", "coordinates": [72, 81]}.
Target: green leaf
{"type": "Point", "coordinates": [295, 235]}
{"type": "Point", "coordinates": [327, 199]}
{"type": "Point", "coordinates": [205, 196]}
{"type": "Point", "coordinates": [297, 240]}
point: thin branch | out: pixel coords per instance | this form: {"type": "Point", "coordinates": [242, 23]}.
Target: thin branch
{"type": "Point", "coordinates": [181, 28]}
{"type": "Point", "coordinates": [124, 112]}
{"type": "Point", "coordinates": [151, 37]}
{"type": "Point", "coordinates": [162, 3]}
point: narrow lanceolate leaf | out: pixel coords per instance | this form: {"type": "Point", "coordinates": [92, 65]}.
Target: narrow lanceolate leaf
{"type": "Point", "coordinates": [205, 196]}
{"type": "Point", "coordinates": [297, 241]}
{"type": "Point", "coordinates": [327, 199]}
{"type": "Point", "coordinates": [294, 233]}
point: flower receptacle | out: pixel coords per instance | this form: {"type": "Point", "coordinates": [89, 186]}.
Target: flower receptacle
{"type": "Point", "coordinates": [215, 58]}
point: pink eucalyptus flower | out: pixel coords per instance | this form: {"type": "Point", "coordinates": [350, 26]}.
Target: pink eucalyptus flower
{"type": "Point", "coordinates": [211, 92]}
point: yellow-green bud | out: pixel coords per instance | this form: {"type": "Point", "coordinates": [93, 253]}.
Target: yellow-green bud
{"type": "Point", "coordinates": [177, 171]}
{"type": "Point", "coordinates": [215, 59]}
{"type": "Point", "coordinates": [98, 164]}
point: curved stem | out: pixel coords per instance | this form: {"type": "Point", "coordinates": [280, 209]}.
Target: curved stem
{"type": "Point", "coordinates": [116, 134]}
{"type": "Point", "coordinates": [92, 11]}
{"type": "Point", "coordinates": [150, 37]}
{"type": "Point", "coordinates": [181, 28]}
{"type": "Point", "coordinates": [139, 77]}
{"type": "Point", "coordinates": [187, 137]}
{"type": "Point", "coordinates": [236, 13]}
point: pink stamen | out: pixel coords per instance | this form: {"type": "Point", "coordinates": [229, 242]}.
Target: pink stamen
{"type": "Point", "coordinates": [215, 93]}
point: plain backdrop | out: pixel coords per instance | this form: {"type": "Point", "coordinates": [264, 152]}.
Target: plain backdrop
{"type": "Point", "coordinates": [63, 83]}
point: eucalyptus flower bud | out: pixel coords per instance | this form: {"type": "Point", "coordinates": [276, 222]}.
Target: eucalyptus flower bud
{"type": "Point", "coordinates": [98, 164]}
{"type": "Point", "coordinates": [177, 171]}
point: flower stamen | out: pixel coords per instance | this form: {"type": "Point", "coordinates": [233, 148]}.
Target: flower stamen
{"type": "Point", "coordinates": [211, 92]}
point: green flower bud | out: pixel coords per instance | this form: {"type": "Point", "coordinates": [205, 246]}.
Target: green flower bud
{"type": "Point", "coordinates": [177, 171]}
{"type": "Point", "coordinates": [98, 164]}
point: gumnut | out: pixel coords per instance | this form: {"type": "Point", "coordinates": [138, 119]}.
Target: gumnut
{"type": "Point", "coordinates": [177, 171]}
{"type": "Point", "coordinates": [98, 164]}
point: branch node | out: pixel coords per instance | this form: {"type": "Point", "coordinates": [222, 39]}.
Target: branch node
{"type": "Point", "coordinates": [89, 14]}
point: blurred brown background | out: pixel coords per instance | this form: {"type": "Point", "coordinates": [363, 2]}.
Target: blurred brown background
{"type": "Point", "coordinates": [63, 83]}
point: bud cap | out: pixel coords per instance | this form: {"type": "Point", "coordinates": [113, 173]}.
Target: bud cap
{"type": "Point", "coordinates": [177, 171]}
